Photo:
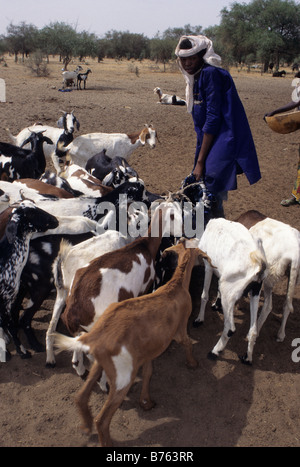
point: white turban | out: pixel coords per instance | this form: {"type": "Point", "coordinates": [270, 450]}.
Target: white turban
{"type": "Point", "coordinates": [198, 43]}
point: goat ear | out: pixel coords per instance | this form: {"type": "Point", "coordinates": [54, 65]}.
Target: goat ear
{"type": "Point", "coordinates": [11, 231]}
{"type": "Point", "coordinates": [60, 122]}
{"type": "Point", "coordinates": [77, 124]}
{"type": "Point", "coordinates": [143, 135]}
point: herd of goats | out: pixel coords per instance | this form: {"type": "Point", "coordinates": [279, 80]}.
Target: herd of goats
{"type": "Point", "coordinates": [121, 275]}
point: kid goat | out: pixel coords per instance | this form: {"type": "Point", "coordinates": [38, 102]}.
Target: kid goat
{"type": "Point", "coordinates": [131, 334]}
{"type": "Point", "coordinates": [238, 260]}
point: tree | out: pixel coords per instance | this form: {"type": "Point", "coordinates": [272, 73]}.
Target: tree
{"type": "Point", "coordinates": [63, 41]}
{"type": "Point", "coordinates": [86, 45]}
{"type": "Point", "coordinates": [21, 39]}
{"type": "Point", "coordinates": [162, 50]}
{"type": "Point", "coordinates": [265, 29]}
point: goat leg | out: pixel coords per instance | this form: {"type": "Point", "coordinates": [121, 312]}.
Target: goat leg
{"type": "Point", "coordinates": [145, 402]}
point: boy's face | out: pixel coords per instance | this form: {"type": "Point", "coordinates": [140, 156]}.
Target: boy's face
{"type": "Point", "coordinates": [191, 64]}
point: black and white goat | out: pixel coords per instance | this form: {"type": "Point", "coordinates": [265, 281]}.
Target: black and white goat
{"type": "Point", "coordinates": [168, 98]}
{"type": "Point", "coordinates": [83, 77]}
{"type": "Point", "coordinates": [16, 162]}
{"type": "Point", "coordinates": [17, 225]}
{"type": "Point", "coordinates": [61, 136]}
{"type": "Point", "coordinates": [101, 165]}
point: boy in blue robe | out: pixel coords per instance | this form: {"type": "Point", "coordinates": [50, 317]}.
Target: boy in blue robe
{"type": "Point", "coordinates": [225, 145]}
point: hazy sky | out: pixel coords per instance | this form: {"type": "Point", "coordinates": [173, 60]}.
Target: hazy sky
{"type": "Point", "coordinates": [99, 16]}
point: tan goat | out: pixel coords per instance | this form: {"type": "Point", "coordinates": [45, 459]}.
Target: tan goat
{"type": "Point", "coordinates": [131, 334]}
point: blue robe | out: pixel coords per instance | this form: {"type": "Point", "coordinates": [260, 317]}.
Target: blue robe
{"type": "Point", "coordinates": [218, 110]}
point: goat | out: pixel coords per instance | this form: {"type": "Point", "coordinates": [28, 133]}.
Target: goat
{"type": "Point", "coordinates": [279, 74]}
{"type": "Point", "coordinates": [238, 260]}
{"type": "Point", "coordinates": [37, 280]}
{"type": "Point", "coordinates": [17, 225]}
{"type": "Point", "coordinates": [16, 162]}
{"type": "Point", "coordinates": [281, 244]}
{"type": "Point", "coordinates": [168, 98]}
{"type": "Point", "coordinates": [82, 181]}
{"type": "Point", "coordinates": [115, 276]}
{"type": "Point", "coordinates": [42, 188]}
{"type": "Point", "coordinates": [115, 144]}
{"type": "Point", "coordinates": [100, 165]}
{"type": "Point", "coordinates": [69, 77]}
{"type": "Point", "coordinates": [102, 209]}
{"type": "Point", "coordinates": [67, 261]}
{"type": "Point", "coordinates": [55, 180]}
{"type": "Point", "coordinates": [130, 335]}
{"type": "Point", "coordinates": [83, 77]}
{"type": "Point", "coordinates": [30, 189]}
{"type": "Point", "coordinates": [61, 136]}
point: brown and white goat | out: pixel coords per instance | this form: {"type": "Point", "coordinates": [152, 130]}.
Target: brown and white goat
{"type": "Point", "coordinates": [115, 144]}
{"type": "Point", "coordinates": [115, 276]}
{"type": "Point", "coordinates": [131, 334]}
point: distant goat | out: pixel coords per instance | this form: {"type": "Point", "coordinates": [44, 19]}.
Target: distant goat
{"type": "Point", "coordinates": [70, 77]}
{"type": "Point", "coordinates": [168, 98]}
{"type": "Point", "coordinates": [83, 77]}
{"type": "Point", "coordinates": [279, 74]}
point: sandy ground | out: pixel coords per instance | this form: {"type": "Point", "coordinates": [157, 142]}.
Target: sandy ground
{"type": "Point", "coordinates": [222, 403]}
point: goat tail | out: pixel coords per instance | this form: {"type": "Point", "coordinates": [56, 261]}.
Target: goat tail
{"type": "Point", "coordinates": [258, 257]}
{"type": "Point", "coordinates": [64, 249]}
{"type": "Point", "coordinates": [71, 344]}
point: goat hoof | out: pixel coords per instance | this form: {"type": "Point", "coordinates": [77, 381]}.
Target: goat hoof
{"type": "Point", "coordinates": [50, 365]}
{"type": "Point", "coordinates": [212, 356]}
{"type": "Point", "coordinates": [197, 324]}
{"type": "Point", "coordinates": [26, 355]}
{"type": "Point", "coordinates": [147, 404]}
{"type": "Point", "coordinates": [244, 360]}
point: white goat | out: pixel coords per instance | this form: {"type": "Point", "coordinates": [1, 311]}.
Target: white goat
{"type": "Point", "coordinates": [115, 144]}
{"type": "Point", "coordinates": [70, 77]}
{"type": "Point", "coordinates": [281, 244]}
{"type": "Point", "coordinates": [238, 260]}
